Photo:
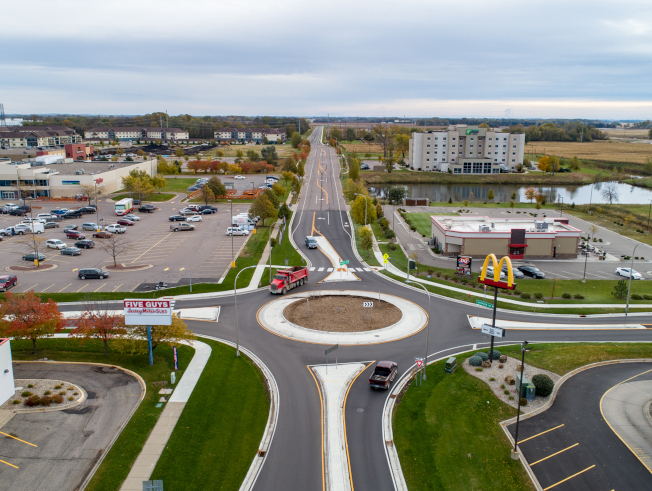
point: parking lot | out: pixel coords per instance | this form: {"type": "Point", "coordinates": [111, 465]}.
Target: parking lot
{"type": "Point", "coordinates": [168, 256]}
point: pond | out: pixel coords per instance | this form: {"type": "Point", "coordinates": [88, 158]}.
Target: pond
{"type": "Point", "coordinates": [580, 195]}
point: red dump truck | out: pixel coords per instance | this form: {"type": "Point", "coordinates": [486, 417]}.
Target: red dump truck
{"type": "Point", "coordinates": [286, 279]}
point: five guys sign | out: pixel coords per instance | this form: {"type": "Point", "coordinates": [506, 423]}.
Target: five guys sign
{"type": "Point", "coordinates": [147, 312]}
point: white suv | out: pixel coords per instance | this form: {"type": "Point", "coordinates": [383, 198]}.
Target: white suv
{"type": "Point", "coordinates": [236, 231]}
{"type": "Point", "coordinates": [115, 229]}
{"type": "Point", "coordinates": [56, 244]}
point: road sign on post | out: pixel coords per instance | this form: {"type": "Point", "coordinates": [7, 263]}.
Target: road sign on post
{"type": "Point", "coordinates": [342, 263]}
{"type": "Point", "coordinates": [496, 332]}
{"type": "Point", "coordinates": [330, 350]}
{"type": "Point", "coordinates": [485, 304]}
{"type": "Point", "coordinates": [148, 312]}
{"type": "Point", "coordinates": [365, 306]}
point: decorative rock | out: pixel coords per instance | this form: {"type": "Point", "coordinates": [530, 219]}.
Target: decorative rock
{"type": "Point", "coordinates": [500, 366]}
{"type": "Point", "coordinates": [502, 359]}
{"type": "Point", "coordinates": [518, 367]}
{"type": "Point", "coordinates": [486, 364]}
{"type": "Point", "coordinates": [510, 380]}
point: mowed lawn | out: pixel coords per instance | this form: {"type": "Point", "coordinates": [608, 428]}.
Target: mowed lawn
{"type": "Point", "coordinates": [423, 222]}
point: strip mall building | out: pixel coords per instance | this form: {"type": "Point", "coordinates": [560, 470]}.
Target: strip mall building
{"type": "Point", "coordinates": [518, 238]}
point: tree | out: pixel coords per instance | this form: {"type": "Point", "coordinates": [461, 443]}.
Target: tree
{"type": "Point", "coordinates": [366, 240]}
{"type": "Point", "coordinates": [484, 125]}
{"type": "Point", "coordinates": [114, 246]}
{"type": "Point", "coordinates": [173, 335]}
{"type": "Point", "coordinates": [396, 194]}
{"type": "Point", "coordinates": [179, 152]}
{"type": "Point", "coordinates": [402, 144]}
{"type": "Point", "coordinates": [379, 210]}
{"type": "Point", "coordinates": [554, 164]}
{"type": "Point", "coordinates": [296, 139]}
{"type": "Point", "coordinates": [88, 190]}
{"type": "Point", "coordinates": [574, 164]}
{"type": "Point", "coordinates": [264, 208]}
{"type": "Point", "coordinates": [158, 182]}
{"type": "Point", "coordinates": [284, 211]}
{"type": "Point", "coordinates": [207, 194]}
{"type": "Point", "coordinates": [219, 153]}
{"type": "Point", "coordinates": [269, 154]}
{"type": "Point", "coordinates": [141, 153]}
{"type": "Point", "coordinates": [594, 230]}
{"type": "Point", "coordinates": [512, 204]}
{"type": "Point", "coordinates": [388, 162]}
{"type": "Point", "coordinates": [513, 196]}
{"type": "Point", "coordinates": [216, 186]}
{"type": "Point", "coordinates": [138, 181]}
{"type": "Point", "coordinates": [544, 164]}
{"type": "Point", "coordinates": [301, 171]}
{"type": "Point", "coordinates": [354, 169]}
{"type": "Point", "coordinates": [358, 210]}
{"type": "Point", "coordinates": [490, 195]}
{"type": "Point", "coordinates": [350, 134]}
{"type": "Point", "coordinates": [278, 189]}
{"type": "Point", "coordinates": [610, 193]}
{"type": "Point", "coordinates": [239, 154]}
{"type": "Point", "coordinates": [620, 290]}
{"type": "Point", "coordinates": [384, 136]}
{"type": "Point", "coordinates": [554, 285]}
{"type": "Point", "coordinates": [272, 197]}
{"type": "Point", "coordinates": [99, 321]}
{"type": "Point", "coordinates": [287, 176]}
{"type": "Point", "coordinates": [649, 134]}
{"type": "Point", "coordinates": [26, 317]}
{"type": "Point", "coordinates": [234, 168]}
{"type": "Point", "coordinates": [530, 194]}
{"type": "Point", "coordinates": [353, 188]}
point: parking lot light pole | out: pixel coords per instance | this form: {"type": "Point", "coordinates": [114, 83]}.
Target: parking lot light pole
{"type": "Point", "coordinates": [235, 299]}
{"type": "Point", "coordinates": [515, 454]}
{"type": "Point", "coordinates": [631, 271]}
{"type": "Point", "coordinates": [586, 258]}
{"type": "Point", "coordinates": [425, 362]}
{"type": "Point", "coordinates": [232, 258]}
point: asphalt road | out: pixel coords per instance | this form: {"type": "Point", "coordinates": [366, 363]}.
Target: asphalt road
{"type": "Point", "coordinates": [294, 460]}
{"type": "Point", "coordinates": [68, 442]}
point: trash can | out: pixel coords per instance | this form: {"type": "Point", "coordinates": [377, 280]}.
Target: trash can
{"type": "Point", "coordinates": [526, 389]}
{"type": "Point", "coordinates": [412, 264]}
{"type": "Point", "coordinates": [451, 365]}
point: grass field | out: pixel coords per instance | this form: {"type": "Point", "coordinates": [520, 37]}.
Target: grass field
{"type": "Point", "coordinates": [537, 178]}
{"type": "Point", "coordinates": [284, 250]}
{"type": "Point", "coordinates": [434, 442]}
{"type": "Point", "coordinates": [602, 150]}
{"type": "Point", "coordinates": [423, 222]}
{"type": "Point", "coordinates": [230, 150]}
{"type": "Point", "coordinates": [639, 133]}
{"type": "Point", "coordinates": [363, 148]}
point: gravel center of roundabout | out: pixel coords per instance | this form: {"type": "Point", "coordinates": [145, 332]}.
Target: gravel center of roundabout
{"type": "Point", "coordinates": [393, 317]}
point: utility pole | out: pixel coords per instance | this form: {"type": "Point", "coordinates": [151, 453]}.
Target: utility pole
{"type": "Point", "coordinates": [582, 135]}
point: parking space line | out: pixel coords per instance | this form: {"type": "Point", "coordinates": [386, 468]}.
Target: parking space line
{"type": "Point", "coordinates": [134, 288]}
{"type": "Point", "coordinates": [100, 287]}
{"type": "Point", "coordinates": [117, 287]}
{"type": "Point", "coordinates": [569, 477]}
{"type": "Point", "coordinates": [64, 287]}
{"type": "Point", "coordinates": [539, 434]}
{"type": "Point", "coordinates": [43, 290]}
{"type": "Point", "coordinates": [82, 287]}
{"type": "Point", "coordinates": [11, 465]}
{"type": "Point", "coordinates": [10, 436]}
{"type": "Point", "coordinates": [152, 247]}
{"type": "Point", "coordinates": [30, 288]}
{"type": "Point", "coordinates": [556, 453]}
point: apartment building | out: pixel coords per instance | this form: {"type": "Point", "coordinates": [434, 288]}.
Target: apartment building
{"type": "Point", "coordinates": [37, 136]}
{"type": "Point", "coordinates": [250, 135]}
{"type": "Point", "coordinates": [131, 133]}
{"type": "Point", "coordinates": [466, 149]}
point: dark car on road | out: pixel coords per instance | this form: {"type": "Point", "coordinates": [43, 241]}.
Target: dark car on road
{"type": "Point", "coordinates": [177, 218]}
{"type": "Point", "coordinates": [17, 212]}
{"type": "Point", "coordinates": [383, 375]}
{"type": "Point", "coordinates": [125, 222]}
{"type": "Point", "coordinates": [7, 281]}
{"type": "Point", "coordinates": [311, 242]}
{"type": "Point", "coordinates": [147, 208]}
{"type": "Point", "coordinates": [207, 207]}
{"type": "Point", "coordinates": [33, 255]}
{"type": "Point", "coordinates": [88, 209]}
{"type": "Point", "coordinates": [85, 244]}
{"type": "Point", "coordinates": [532, 271]}
{"type": "Point", "coordinates": [72, 214]}
{"type": "Point", "coordinates": [92, 273]}
{"type": "Point", "coordinates": [102, 235]}
{"type": "Point", "coordinates": [71, 251]}
{"type": "Point", "coordinates": [73, 234]}
{"type": "Point", "coordinates": [70, 227]}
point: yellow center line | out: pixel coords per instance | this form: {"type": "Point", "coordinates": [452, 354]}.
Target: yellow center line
{"type": "Point", "coordinates": [5, 434]}
{"type": "Point", "coordinates": [569, 477]}
{"type": "Point", "coordinates": [322, 189]}
{"type": "Point", "coordinates": [151, 247]}
{"type": "Point", "coordinates": [556, 453]}
{"type": "Point", "coordinates": [539, 434]}
{"type": "Point", "coordinates": [117, 287]}
{"type": "Point", "coordinates": [11, 465]}
{"type": "Point", "coordinates": [64, 287]}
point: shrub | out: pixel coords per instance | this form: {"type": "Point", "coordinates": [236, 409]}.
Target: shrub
{"type": "Point", "coordinates": [47, 393]}
{"type": "Point", "coordinates": [464, 281]}
{"type": "Point", "coordinates": [57, 398]}
{"type": "Point", "coordinates": [538, 295]}
{"type": "Point", "coordinates": [29, 386]}
{"type": "Point", "coordinates": [502, 358]}
{"type": "Point", "coordinates": [475, 361]}
{"type": "Point", "coordinates": [26, 394]}
{"type": "Point", "coordinates": [491, 379]}
{"type": "Point", "coordinates": [446, 276]}
{"type": "Point", "coordinates": [506, 392]}
{"type": "Point", "coordinates": [62, 393]}
{"type": "Point", "coordinates": [478, 369]}
{"type": "Point", "coordinates": [526, 295]}
{"type": "Point", "coordinates": [71, 398]}
{"type": "Point", "coordinates": [543, 384]}
{"type": "Point", "coordinates": [392, 246]}
{"type": "Point", "coordinates": [45, 401]}
{"type": "Point", "coordinates": [523, 401]}
{"type": "Point", "coordinates": [500, 366]}
{"type": "Point", "coordinates": [496, 356]}
{"type": "Point", "coordinates": [484, 356]}
{"type": "Point", "coordinates": [16, 401]}
{"type": "Point", "coordinates": [71, 388]}
{"type": "Point", "coordinates": [516, 292]}
{"type": "Point", "coordinates": [57, 387]}
{"type": "Point", "coordinates": [647, 297]}
{"type": "Point", "coordinates": [32, 401]}
{"type": "Point", "coordinates": [637, 296]}
{"type": "Point", "coordinates": [566, 295]}
{"type": "Point", "coordinates": [510, 380]}
{"type": "Point", "coordinates": [578, 296]}
{"type": "Point", "coordinates": [438, 274]}
{"type": "Point", "coordinates": [511, 398]}
{"type": "Point", "coordinates": [502, 386]}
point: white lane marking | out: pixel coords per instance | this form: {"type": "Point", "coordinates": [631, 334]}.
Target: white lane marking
{"type": "Point", "coordinates": [320, 269]}
{"type": "Point", "coordinates": [311, 269]}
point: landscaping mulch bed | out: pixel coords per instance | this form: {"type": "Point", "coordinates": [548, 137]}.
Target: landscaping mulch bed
{"type": "Point", "coordinates": [35, 389]}
{"type": "Point", "coordinates": [124, 267]}
{"type": "Point", "coordinates": [40, 267]}
{"type": "Point", "coordinates": [341, 313]}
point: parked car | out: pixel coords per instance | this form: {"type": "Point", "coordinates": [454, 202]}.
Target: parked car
{"type": "Point", "coordinates": [207, 207]}
{"type": "Point", "coordinates": [239, 177]}
{"type": "Point", "coordinates": [85, 244]}
{"type": "Point", "coordinates": [90, 226]}
{"type": "Point", "coordinates": [55, 244]}
{"type": "Point", "coordinates": [72, 214]}
{"type": "Point", "coordinates": [187, 211]}
{"type": "Point", "coordinates": [517, 273]}
{"type": "Point", "coordinates": [87, 209]}
{"type": "Point", "coordinates": [92, 273]}
{"type": "Point", "coordinates": [59, 211]}
{"type": "Point", "coordinates": [147, 208]}
{"type": "Point", "coordinates": [70, 227]}
{"type": "Point", "coordinates": [74, 234]}
{"type": "Point", "coordinates": [45, 216]}
{"type": "Point", "coordinates": [207, 211]}
{"type": "Point", "coordinates": [177, 218]}
{"type": "Point", "coordinates": [532, 271]}
{"type": "Point", "coordinates": [133, 218]}
{"type": "Point", "coordinates": [71, 251]}
{"type": "Point", "coordinates": [7, 281]}
{"type": "Point", "coordinates": [33, 255]}
{"type": "Point", "coordinates": [194, 218]}
{"type": "Point", "coordinates": [17, 212]}
{"type": "Point", "coordinates": [384, 373]}
{"type": "Point", "coordinates": [181, 226]}
{"type": "Point", "coordinates": [364, 166]}
{"type": "Point", "coordinates": [236, 231]}
{"type": "Point", "coordinates": [50, 225]}
{"type": "Point", "coordinates": [193, 207]}
{"type": "Point", "coordinates": [115, 229]}
{"type": "Point", "coordinates": [125, 222]}
{"type": "Point", "coordinates": [311, 242]}
{"type": "Point", "coordinates": [490, 273]}
{"type": "Point", "coordinates": [626, 273]}
{"type": "Point", "coordinates": [102, 235]}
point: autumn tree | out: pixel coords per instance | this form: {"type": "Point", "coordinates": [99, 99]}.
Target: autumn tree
{"type": "Point", "coordinates": [158, 181]}
{"type": "Point", "coordinates": [490, 195]}
{"type": "Point", "coordinates": [544, 164]}
{"type": "Point", "coordinates": [278, 189]}
{"type": "Point", "coordinates": [88, 190]}
{"type": "Point", "coordinates": [234, 168]}
{"type": "Point", "coordinates": [135, 338]}
{"type": "Point", "coordinates": [574, 164]}
{"type": "Point", "coordinates": [402, 144]}
{"type": "Point", "coordinates": [301, 171]}
{"type": "Point", "coordinates": [207, 194]}
{"type": "Point", "coordinates": [216, 186]}
{"type": "Point", "coordinates": [366, 239]}
{"type": "Point", "coordinates": [296, 139]}
{"type": "Point", "coordinates": [554, 164]}
{"type": "Point", "coordinates": [141, 153]}
{"type": "Point", "coordinates": [26, 317]}
{"type": "Point", "coordinates": [138, 181]}
{"type": "Point", "coordinates": [354, 169]}
{"type": "Point", "coordinates": [358, 210]}
{"type": "Point", "coordinates": [354, 187]}
{"type": "Point", "coordinates": [530, 193]}
{"type": "Point", "coordinates": [263, 207]}
{"type": "Point", "coordinates": [99, 321]}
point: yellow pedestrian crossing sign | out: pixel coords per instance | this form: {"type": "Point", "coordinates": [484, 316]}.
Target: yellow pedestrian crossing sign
{"type": "Point", "coordinates": [385, 256]}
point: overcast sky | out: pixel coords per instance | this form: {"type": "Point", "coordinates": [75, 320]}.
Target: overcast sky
{"type": "Point", "coordinates": [552, 58]}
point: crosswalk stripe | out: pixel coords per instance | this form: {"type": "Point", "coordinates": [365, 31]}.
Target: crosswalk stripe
{"type": "Point", "coordinates": [366, 269]}
{"type": "Point", "coordinates": [320, 269]}
{"type": "Point", "coordinates": [311, 269]}
{"type": "Point", "coordinates": [329, 269]}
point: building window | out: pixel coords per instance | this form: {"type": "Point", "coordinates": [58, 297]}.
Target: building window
{"type": "Point", "coordinates": [514, 146]}
{"type": "Point", "coordinates": [477, 167]}
{"type": "Point", "coordinates": [513, 160]}
{"type": "Point", "coordinates": [471, 146]}
{"type": "Point", "coordinates": [467, 167]}
{"type": "Point", "coordinates": [427, 160]}
{"type": "Point", "coordinates": [487, 167]}
{"type": "Point", "coordinates": [496, 171]}
{"type": "Point", "coordinates": [428, 145]}
{"type": "Point", "coordinates": [427, 153]}
{"type": "Point", "coordinates": [457, 170]}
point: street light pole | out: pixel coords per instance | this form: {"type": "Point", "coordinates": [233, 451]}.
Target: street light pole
{"type": "Point", "coordinates": [235, 298]}
{"type": "Point", "coordinates": [518, 411]}
{"type": "Point", "coordinates": [561, 208]}
{"type": "Point", "coordinates": [631, 270]}
{"type": "Point", "coordinates": [425, 363]}
{"type": "Point", "coordinates": [586, 257]}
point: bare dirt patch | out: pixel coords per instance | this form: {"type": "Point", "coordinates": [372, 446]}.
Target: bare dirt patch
{"type": "Point", "coordinates": [40, 267]}
{"type": "Point", "coordinates": [341, 313]}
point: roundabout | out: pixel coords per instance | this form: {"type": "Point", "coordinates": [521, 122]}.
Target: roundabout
{"type": "Point", "coordinates": [411, 318]}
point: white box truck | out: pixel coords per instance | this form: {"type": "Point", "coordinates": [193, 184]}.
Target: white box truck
{"type": "Point", "coordinates": [242, 221]}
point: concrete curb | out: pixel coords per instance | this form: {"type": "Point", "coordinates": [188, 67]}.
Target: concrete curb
{"type": "Point", "coordinates": [270, 427]}
{"type": "Point", "coordinates": [48, 409]}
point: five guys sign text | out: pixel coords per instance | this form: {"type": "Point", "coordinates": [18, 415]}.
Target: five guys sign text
{"type": "Point", "coordinates": [148, 312]}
